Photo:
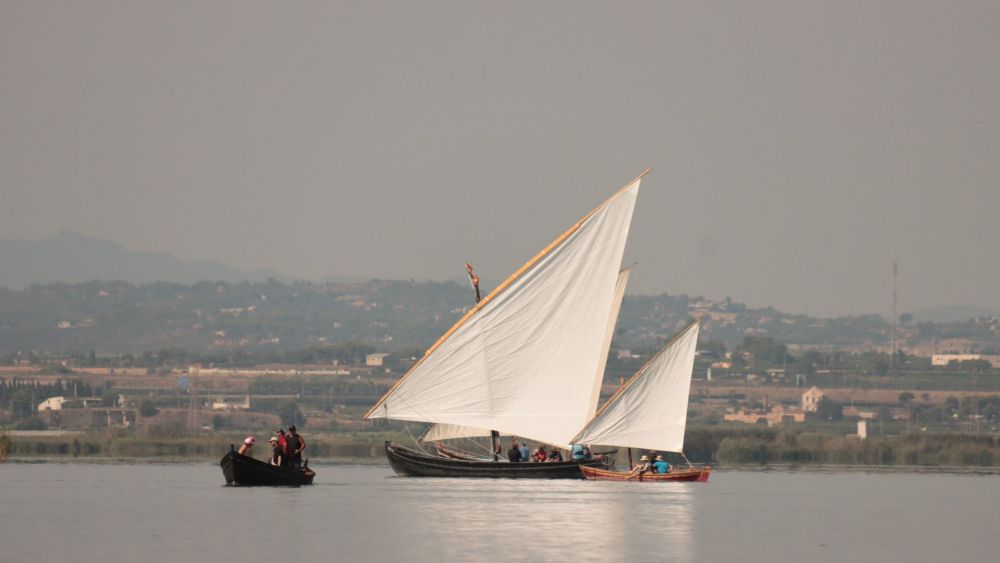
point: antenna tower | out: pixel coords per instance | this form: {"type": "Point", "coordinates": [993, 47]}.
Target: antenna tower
{"type": "Point", "coordinates": [892, 347]}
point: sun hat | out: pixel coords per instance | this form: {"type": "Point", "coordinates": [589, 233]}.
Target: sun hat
{"type": "Point", "coordinates": [659, 458]}
{"type": "Point", "coordinates": [643, 458]}
{"type": "Point", "coordinates": [273, 439]}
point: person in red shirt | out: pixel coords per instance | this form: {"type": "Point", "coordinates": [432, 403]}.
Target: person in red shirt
{"type": "Point", "coordinates": [540, 454]}
{"type": "Point", "coordinates": [283, 443]}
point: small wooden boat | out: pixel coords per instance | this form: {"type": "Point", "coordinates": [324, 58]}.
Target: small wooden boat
{"type": "Point", "coordinates": [246, 471]}
{"type": "Point", "coordinates": [412, 463]}
{"type": "Point", "coordinates": [699, 474]}
{"type": "Point", "coordinates": [650, 412]}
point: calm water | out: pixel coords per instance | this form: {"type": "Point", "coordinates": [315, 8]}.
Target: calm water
{"type": "Point", "coordinates": [181, 512]}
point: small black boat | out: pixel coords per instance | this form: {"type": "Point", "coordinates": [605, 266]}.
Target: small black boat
{"type": "Point", "coordinates": [412, 463]}
{"type": "Point", "coordinates": [249, 472]}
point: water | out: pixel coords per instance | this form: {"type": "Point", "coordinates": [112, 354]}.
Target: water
{"type": "Point", "coordinates": [181, 512]}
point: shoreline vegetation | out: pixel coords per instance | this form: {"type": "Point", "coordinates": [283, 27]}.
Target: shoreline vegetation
{"type": "Point", "coordinates": [726, 447]}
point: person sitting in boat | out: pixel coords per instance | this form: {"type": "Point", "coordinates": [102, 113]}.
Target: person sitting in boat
{"type": "Point", "coordinates": [540, 454]}
{"type": "Point", "coordinates": [643, 466]}
{"type": "Point", "coordinates": [247, 447]}
{"type": "Point", "coordinates": [577, 452]}
{"type": "Point", "coordinates": [587, 454]}
{"type": "Point", "coordinates": [277, 453]}
{"type": "Point", "coordinates": [295, 446]}
{"type": "Point", "coordinates": [525, 452]}
{"type": "Point", "coordinates": [555, 455]}
{"type": "Point", "coordinates": [514, 453]}
{"type": "Point", "coordinates": [661, 465]}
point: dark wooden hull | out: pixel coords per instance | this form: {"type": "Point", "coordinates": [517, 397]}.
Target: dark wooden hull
{"type": "Point", "coordinates": [249, 472]}
{"type": "Point", "coordinates": [699, 474]}
{"type": "Point", "coordinates": [412, 463]}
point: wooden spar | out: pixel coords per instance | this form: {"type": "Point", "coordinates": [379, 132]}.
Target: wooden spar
{"type": "Point", "coordinates": [495, 443]}
{"type": "Point", "coordinates": [492, 295]}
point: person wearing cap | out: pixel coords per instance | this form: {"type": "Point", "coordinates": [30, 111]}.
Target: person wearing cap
{"type": "Point", "coordinates": [660, 465]}
{"type": "Point", "coordinates": [277, 453]}
{"type": "Point", "coordinates": [247, 447]}
{"type": "Point", "coordinates": [643, 465]}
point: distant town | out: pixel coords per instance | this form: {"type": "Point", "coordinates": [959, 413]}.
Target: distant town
{"type": "Point", "coordinates": [158, 364]}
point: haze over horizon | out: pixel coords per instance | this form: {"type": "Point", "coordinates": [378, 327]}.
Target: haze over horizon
{"type": "Point", "coordinates": [796, 150]}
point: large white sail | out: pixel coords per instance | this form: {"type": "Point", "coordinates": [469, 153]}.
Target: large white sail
{"type": "Point", "coordinates": [523, 361]}
{"type": "Point", "coordinates": [609, 333]}
{"type": "Point", "coordinates": [439, 432]}
{"type": "Point", "coordinates": [650, 410]}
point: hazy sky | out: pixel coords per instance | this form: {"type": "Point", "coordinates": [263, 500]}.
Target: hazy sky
{"type": "Point", "coordinates": [797, 147]}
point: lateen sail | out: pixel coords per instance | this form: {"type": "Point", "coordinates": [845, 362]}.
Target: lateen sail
{"type": "Point", "coordinates": [439, 432]}
{"type": "Point", "coordinates": [523, 360]}
{"type": "Point", "coordinates": [650, 411]}
{"type": "Point", "coordinates": [609, 333]}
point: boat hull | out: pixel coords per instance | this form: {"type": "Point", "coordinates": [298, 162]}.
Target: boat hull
{"type": "Point", "coordinates": [699, 474]}
{"type": "Point", "coordinates": [249, 472]}
{"type": "Point", "coordinates": [412, 463]}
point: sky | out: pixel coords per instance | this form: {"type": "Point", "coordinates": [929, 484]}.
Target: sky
{"type": "Point", "coordinates": [797, 148]}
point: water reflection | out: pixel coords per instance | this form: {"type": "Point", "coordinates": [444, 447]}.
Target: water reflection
{"type": "Point", "coordinates": [551, 520]}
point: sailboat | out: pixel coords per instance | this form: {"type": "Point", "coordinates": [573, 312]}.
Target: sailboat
{"type": "Point", "coordinates": [527, 359]}
{"type": "Point", "coordinates": [650, 412]}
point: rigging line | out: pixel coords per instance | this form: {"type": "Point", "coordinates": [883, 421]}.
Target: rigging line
{"type": "Point", "coordinates": [415, 442]}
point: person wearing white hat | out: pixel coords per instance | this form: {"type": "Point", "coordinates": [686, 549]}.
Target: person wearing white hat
{"type": "Point", "coordinates": [661, 465]}
{"type": "Point", "coordinates": [643, 465]}
{"type": "Point", "coordinates": [277, 452]}
{"type": "Point", "coordinates": [247, 446]}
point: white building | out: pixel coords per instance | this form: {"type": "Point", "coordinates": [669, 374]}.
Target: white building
{"type": "Point", "coordinates": [51, 404]}
{"type": "Point", "coordinates": [376, 359]}
{"type": "Point", "coordinates": [945, 359]}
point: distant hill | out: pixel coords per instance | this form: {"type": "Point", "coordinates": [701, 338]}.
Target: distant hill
{"type": "Point", "coordinates": [952, 313]}
{"type": "Point", "coordinates": [70, 257]}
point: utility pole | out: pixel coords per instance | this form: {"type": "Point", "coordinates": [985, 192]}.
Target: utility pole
{"type": "Point", "coordinates": [192, 422]}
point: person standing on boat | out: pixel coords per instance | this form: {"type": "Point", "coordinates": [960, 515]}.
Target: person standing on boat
{"type": "Point", "coordinates": [525, 452]}
{"type": "Point", "coordinates": [295, 446]}
{"type": "Point", "coordinates": [660, 465]}
{"type": "Point", "coordinates": [283, 442]}
{"type": "Point", "coordinates": [277, 453]}
{"type": "Point", "coordinates": [247, 447]}
{"type": "Point", "coordinates": [514, 453]}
